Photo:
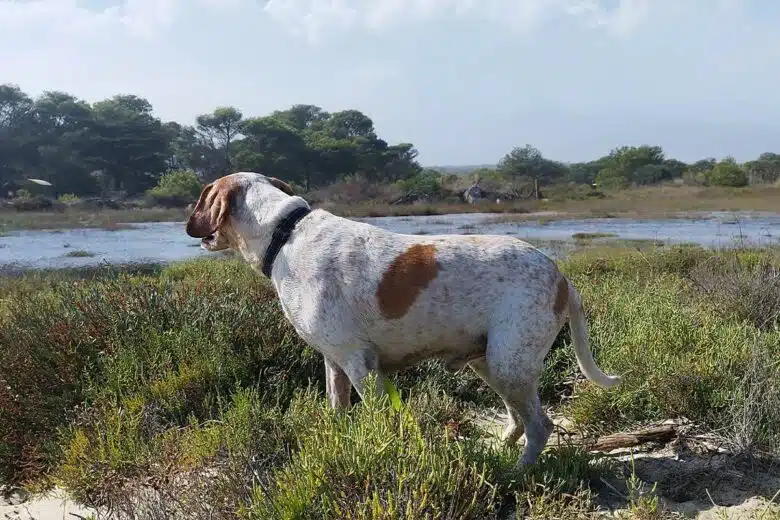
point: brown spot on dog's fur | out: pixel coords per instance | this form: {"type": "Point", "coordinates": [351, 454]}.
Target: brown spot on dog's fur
{"type": "Point", "coordinates": [213, 208]}
{"type": "Point", "coordinates": [561, 296]}
{"type": "Point", "coordinates": [405, 279]}
{"type": "Point", "coordinates": [281, 185]}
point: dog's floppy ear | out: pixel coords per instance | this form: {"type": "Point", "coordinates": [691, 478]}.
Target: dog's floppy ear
{"type": "Point", "coordinates": [281, 185]}
{"type": "Point", "coordinates": [214, 206]}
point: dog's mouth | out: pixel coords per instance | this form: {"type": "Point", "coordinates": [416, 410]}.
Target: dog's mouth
{"type": "Point", "coordinates": [209, 241]}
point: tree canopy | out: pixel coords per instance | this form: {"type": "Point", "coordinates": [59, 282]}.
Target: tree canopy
{"type": "Point", "coordinates": [119, 145]}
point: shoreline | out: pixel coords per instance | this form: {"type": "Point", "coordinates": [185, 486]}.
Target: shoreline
{"type": "Point", "coordinates": [118, 220]}
{"type": "Point", "coordinates": [663, 202]}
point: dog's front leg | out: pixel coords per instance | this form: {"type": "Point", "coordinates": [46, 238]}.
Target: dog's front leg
{"type": "Point", "coordinates": [337, 385]}
{"type": "Point", "coordinates": [358, 365]}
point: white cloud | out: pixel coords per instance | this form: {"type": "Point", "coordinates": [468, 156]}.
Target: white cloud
{"type": "Point", "coordinates": [314, 18]}
{"type": "Point", "coordinates": [145, 17]}
{"type": "Point", "coordinates": [141, 18]}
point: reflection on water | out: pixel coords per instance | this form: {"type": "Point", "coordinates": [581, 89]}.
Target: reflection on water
{"type": "Point", "coordinates": [167, 241]}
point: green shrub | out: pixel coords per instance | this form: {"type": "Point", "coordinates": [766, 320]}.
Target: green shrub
{"type": "Point", "coordinates": [727, 173]}
{"type": "Point", "coordinates": [23, 194]}
{"type": "Point", "coordinates": [176, 188]}
{"type": "Point", "coordinates": [679, 358]}
{"type": "Point", "coordinates": [176, 344]}
{"type": "Point", "coordinates": [68, 199]}
{"type": "Point", "coordinates": [378, 462]}
{"type": "Point", "coordinates": [426, 185]}
{"type": "Point", "coordinates": [374, 463]}
{"type": "Point", "coordinates": [79, 254]}
{"type": "Point", "coordinates": [612, 178]}
{"type": "Point", "coordinates": [27, 202]}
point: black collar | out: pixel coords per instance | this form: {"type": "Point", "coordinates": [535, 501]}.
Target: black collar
{"type": "Point", "coordinates": [281, 235]}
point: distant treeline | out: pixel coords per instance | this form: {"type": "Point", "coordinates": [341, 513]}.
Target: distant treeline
{"type": "Point", "coordinates": [118, 145]}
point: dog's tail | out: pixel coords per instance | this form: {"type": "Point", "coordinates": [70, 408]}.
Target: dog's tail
{"type": "Point", "coordinates": [579, 338]}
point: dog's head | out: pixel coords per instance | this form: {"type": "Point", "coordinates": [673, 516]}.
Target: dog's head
{"type": "Point", "coordinates": [223, 204]}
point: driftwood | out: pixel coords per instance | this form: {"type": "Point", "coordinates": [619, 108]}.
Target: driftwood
{"type": "Point", "coordinates": [663, 433]}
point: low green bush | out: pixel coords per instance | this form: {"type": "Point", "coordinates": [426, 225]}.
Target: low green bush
{"type": "Point", "coordinates": [175, 189]}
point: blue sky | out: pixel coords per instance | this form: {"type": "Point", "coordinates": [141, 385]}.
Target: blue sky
{"type": "Point", "coordinates": [464, 80]}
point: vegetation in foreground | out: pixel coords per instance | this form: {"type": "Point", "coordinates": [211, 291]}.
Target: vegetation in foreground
{"type": "Point", "coordinates": [182, 388]}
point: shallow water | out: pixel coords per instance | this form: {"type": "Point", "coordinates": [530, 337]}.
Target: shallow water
{"type": "Point", "coordinates": [711, 229]}
{"type": "Point", "coordinates": [167, 241]}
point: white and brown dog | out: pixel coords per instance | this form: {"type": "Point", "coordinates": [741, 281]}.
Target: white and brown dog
{"type": "Point", "coordinates": [373, 300]}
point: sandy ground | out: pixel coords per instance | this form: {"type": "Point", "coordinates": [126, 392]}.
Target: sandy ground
{"type": "Point", "coordinates": [53, 506]}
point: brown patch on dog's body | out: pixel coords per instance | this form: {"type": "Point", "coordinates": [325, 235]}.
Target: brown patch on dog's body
{"type": "Point", "coordinates": [561, 297]}
{"type": "Point", "coordinates": [405, 278]}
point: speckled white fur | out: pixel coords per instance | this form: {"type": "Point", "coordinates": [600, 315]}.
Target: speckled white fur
{"type": "Point", "coordinates": [490, 305]}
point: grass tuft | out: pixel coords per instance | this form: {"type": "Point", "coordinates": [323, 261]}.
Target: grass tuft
{"type": "Point", "coordinates": [78, 254]}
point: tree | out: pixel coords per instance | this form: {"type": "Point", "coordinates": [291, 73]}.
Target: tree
{"type": "Point", "coordinates": [118, 144]}
{"type": "Point", "coordinates": [349, 124]}
{"type": "Point", "coordinates": [219, 129]}
{"type": "Point", "coordinates": [703, 165]}
{"type": "Point", "coordinates": [400, 162]}
{"type": "Point", "coordinates": [627, 165]}
{"type": "Point", "coordinates": [188, 150]}
{"type": "Point", "coordinates": [273, 147]}
{"type": "Point", "coordinates": [651, 174]}
{"type": "Point", "coordinates": [302, 117]}
{"type": "Point", "coordinates": [128, 143]}
{"type": "Point", "coordinates": [332, 159]}
{"type": "Point", "coordinates": [18, 149]}
{"type": "Point", "coordinates": [675, 168]}
{"type": "Point", "coordinates": [527, 164]}
{"type": "Point", "coordinates": [584, 172]}
{"type": "Point", "coordinates": [64, 127]}
{"type": "Point", "coordinates": [764, 170]}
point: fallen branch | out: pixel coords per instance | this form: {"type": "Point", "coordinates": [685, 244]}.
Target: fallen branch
{"type": "Point", "coordinates": [663, 433]}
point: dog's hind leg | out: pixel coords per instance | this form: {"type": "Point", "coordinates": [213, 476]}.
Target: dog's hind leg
{"type": "Point", "coordinates": [514, 427]}
{"type": "Point", "coordinates": [512, 366]}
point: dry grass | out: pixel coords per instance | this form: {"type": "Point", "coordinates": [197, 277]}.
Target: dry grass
{"type": "Point", "coordinates": [649, 202]}
{"type": "Point", "coordinates": [670, 200]}
{"type": "Point", "coordinates": [742, 287]}
{"type": "Point", "coordinates": [72, 218]}
{"type": "Point", "coordinates": [374, 209]}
